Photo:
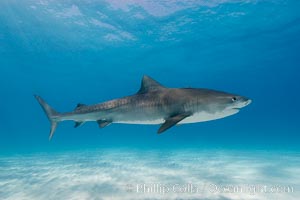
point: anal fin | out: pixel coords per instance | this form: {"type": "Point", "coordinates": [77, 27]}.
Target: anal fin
{"type": "Point", "coordinates": [77, 124]}
{"type": "Point", "coordinates": [103, 123]}
{"type": "Point", "coordinates": [171, 121]}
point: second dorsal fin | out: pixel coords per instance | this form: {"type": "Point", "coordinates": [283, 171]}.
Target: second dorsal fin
{"type": "Point", "coordinates": [149, 84]}
{"type": "Point", "coordinates": [80, 105]}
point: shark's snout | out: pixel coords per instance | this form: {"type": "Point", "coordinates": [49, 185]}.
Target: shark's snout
{"type": "Point", "coordinates": [241, 102]}
{"type": "Point", "coordinates": [248, 102]}
{"type": "Point", "coordinates": [245, 102]}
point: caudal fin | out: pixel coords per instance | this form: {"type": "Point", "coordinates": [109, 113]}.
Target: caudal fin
{"type": "Point", "coordinates": [51, 114]}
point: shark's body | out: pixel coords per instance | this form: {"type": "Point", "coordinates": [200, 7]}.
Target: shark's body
{"type": "Point", "coordinates": [153, 104]}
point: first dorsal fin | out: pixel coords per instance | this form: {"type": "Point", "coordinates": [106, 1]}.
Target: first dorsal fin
{"type": "Point", "coordinates": [149, 84]}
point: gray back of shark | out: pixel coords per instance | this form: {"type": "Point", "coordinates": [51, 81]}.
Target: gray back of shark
{"type": "Point", "coordinates": [153, 104]}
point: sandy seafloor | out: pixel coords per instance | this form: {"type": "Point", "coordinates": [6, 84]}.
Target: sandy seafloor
{"type": "Point", "coordinates": [129, 174]}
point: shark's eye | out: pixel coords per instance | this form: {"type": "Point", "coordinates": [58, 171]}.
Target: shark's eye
{"type": "Point", "coordinates": [233, 99]}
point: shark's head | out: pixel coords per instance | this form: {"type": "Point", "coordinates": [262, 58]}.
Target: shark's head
{"type": "Point", "coordinates": [233, 102]}
{"type": "Point", "coordinates": [206, 104]}
{"type": "Point", "coordinates": [225, 104]}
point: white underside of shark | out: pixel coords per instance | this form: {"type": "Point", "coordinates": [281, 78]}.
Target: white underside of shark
{"type": "Point", "coordinates": [195, 118]}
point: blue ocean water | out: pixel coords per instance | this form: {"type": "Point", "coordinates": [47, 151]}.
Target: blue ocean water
{"type": "Point", "coordinates": [91, 51]}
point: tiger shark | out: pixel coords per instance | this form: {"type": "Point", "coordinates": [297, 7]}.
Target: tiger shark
{"type": "Point", "coordinates": [153, 104]}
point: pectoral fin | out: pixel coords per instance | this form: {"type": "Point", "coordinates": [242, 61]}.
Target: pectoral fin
{"type": "Point", "coordinates": [171, 121]}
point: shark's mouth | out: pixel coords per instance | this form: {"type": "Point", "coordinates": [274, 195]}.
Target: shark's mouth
{"type": "Point", "coordinates": [242, 105]}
